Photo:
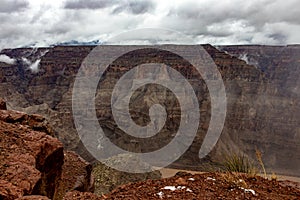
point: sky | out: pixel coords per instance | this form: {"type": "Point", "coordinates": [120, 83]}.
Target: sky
{"type": "Point", "coordinates": [218, 22]}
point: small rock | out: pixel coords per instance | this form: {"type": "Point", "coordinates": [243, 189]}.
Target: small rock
{"type": "Point", "coordinates": [2, 104]}
{"type": "Point", "coordinates": [181, 181]}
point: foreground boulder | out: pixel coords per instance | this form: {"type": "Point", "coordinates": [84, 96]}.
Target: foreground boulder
{"type": "Point", "coordinates": [30, 160]}
{"type": "Point", "coordinates": [33, 164]}
{"type": "Point", "coordinates": [107, 179]}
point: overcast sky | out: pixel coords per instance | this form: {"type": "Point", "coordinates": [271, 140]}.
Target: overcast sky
{"type": "Point", "coordinates": [44, 22]}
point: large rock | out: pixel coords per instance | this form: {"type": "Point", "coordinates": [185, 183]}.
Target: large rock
{"type": "Point", "coordinates": [31, 161]}
{"type": "Point", "coordinates": [9, 191]}
{"type": "Point", "coordinates": [107, 178]}
{"type": "Point", "coordinates": [76, 175]}
{"type": "Point", "coordinates": [33, 164]}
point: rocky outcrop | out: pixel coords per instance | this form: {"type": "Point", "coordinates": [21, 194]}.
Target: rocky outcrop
{"type": "Point", "coordinates": [262, 110]}
{"type": "Point", "coordinates": [30, 160]}
{"type": "Point", "coordinates": [107, 178]}
{"type": "Point", "coordinates": [33, 164]}
{"type": "Point", "coordinates": [76, 175]}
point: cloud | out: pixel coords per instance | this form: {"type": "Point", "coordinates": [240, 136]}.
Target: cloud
{"type": "Point", "coordinates": [34, 67]}
{"type": "Point", "coordinates": [45, 22]}
{"type": "Point", "coordinates": [9, 6]}
{"type": "Point", "coordinates": [135, 7]}
{"type": "Point", "coordinates": [88, 4]}
{"type": "Point", "coordinates": [118, 6]}
{"type": "Point", "coordinates": [6, 59]}
{"type": "Point", "coordinates": [247, 22]}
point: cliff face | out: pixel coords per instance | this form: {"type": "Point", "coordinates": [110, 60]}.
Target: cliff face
{"type": "Point", "coordinates": [277, 105]}
{"type": "Point", "coordinates": [262, 96]}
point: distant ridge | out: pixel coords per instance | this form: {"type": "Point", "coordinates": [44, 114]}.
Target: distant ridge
{"type": "Point", "coordinates": [78, 43]}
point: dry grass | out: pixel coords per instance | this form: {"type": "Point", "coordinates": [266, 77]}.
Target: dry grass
{"type": "Point", "coordinates": [260, 161]}
{"type": "Point", "coordinates": [238, 163]}
{"type": "Point", "coordinates": [274, 177]}
{"type": "Point", "coordinates": [235, 180]}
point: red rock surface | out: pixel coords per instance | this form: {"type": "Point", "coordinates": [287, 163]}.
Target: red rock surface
{"type": "Point", "coordinates": [9, 191]}
{"type": "Point", "coordinates": [33, 197]}
{"type": "Point", "coordinates": [76, 195]}
{"type": "Point", "coordinates": [34, 122]}
{"type": "Point", "coordinates": [33, 163]}
{"type": "Point", "coordinates": [76, 175]}
{"type": "Point", "coordinates": [206, 186]}
{"type": "Point", "coordinates": [30, 160]}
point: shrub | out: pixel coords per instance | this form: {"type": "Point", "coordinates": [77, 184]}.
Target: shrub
{"type": "Point", "coordinates": [238, 163]}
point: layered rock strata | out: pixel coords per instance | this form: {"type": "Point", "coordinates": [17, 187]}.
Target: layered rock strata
{"type": "Point", "coordinates": [262, 100]}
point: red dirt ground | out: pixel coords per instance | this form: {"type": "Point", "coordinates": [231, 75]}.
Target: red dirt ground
{"type": "Point", "coordinates": [207, 186]}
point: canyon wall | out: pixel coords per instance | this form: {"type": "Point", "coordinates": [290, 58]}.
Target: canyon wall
{"type": "Point", "coordinates": [261, 83]}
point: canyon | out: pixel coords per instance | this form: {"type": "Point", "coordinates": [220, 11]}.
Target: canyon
{"type": "Point", "coordinates": [261, 84]}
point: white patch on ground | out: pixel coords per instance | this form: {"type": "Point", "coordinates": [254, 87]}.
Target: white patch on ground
{"type": "Point", "coordinates": [191, 179]}
{"type": "Point", "coordinates": [209, 178]}
{"type": "Point", "coordinates": [173, 188]}
{"type": "Point", "coordinates": [248, 190]}
{"type": "Point", "coordinates": [189, 190]}
{"type": "Point", "coordinates": [160, 194]}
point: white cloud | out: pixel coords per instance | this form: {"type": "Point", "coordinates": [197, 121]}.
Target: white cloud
{"type": "Point", "coordinates": [218, 22]}
{"type": "Point", "coordinates": [34, 67]}
{"type": "Point", "coordinates": [6, 59]}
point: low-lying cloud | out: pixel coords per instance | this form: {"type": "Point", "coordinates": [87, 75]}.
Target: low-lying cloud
{"type": "Point", "coordinates": [33, 66]}
{"type": "Point", "coordinates": [6, 59]}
